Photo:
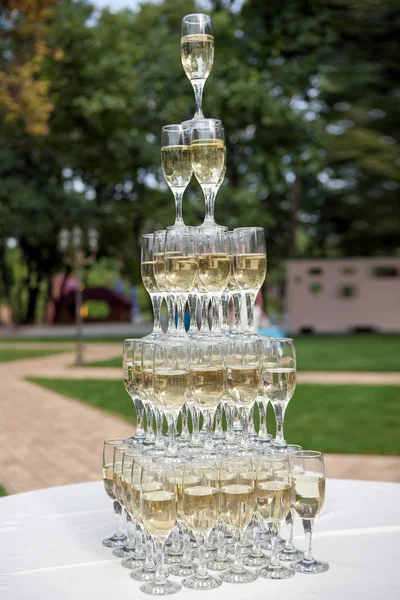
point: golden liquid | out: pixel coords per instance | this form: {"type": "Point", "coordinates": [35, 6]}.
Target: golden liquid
{"type": "Point", "coordinates": [219, 478]}
{"type": "Point", "coordinates": [207, 385]}
{"type": "Point", "coordinates": [170, 388]}
{"type": "Point", "coordinates": [197, 55]}
{"type": "Point", "coordinates": [128, 379]}
{"type": "Point", "coordinates": [243, 383]}
{"type": "Point", "coordinates": [209, 161]}
{"type": "Point", "coordinates": [148, 277]}
{"type": "Point", "coordinates": [108, 481]}
{"type": "Point", "coordinates": [147, 486]}
{"type": "Point", "coordinates": [146, 387]}
{"type": "Point", "coordinates": [159, 511]}
{"type": "Point", "coordinates": [190, 481]}
{"type": "Point", "coordinates": [273, 499]}
{"type": "Point", "coordinates": [250, 270]}
{"type": "Point", "coordinates": [237, 502]}
{"type": "Point", "coordinates": [279, 384]}
{"type": "Point", "coordinates": [200, 507]}
{"type": "Point", "coordinates": [181, 272]}
{"type": "Point", "coordinates": [159, 271]}
{"type": "Point", "coordinates": [176, 165]}
{"type": "Point", "coordinates": [127, 495]}
{"type": "Point", "coordinates": [117, 480]}
{"type": "Point", "coordinates": [214, 271]}
{"type": "Point", "coordinates": [308, 495]}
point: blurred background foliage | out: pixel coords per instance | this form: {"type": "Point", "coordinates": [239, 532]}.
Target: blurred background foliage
{"type": "Point", "coordinates": [308, 91]}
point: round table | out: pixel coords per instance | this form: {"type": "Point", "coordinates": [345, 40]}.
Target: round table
{"type": "Point", "coordinates": [50, 548]}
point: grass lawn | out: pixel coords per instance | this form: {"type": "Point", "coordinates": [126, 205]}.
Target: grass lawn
{"type": "Point", "coordinates": [16, 354]}
{"type": "Point", "coordinates": [2, 491]}
{"type": "Point", "coordinates": [332, 418]}
{"type": "Point", "coordinates": [368, 352]}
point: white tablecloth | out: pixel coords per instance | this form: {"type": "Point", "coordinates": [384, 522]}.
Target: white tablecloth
{"type": "Point", "coordinates": [50, 548]}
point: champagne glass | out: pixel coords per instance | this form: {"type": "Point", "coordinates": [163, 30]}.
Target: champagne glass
{"type": "Point", "coordinates": [290, 553]}
{"type": "Point", "coordinates": [118, 539]}
{"type": "Point", "coordinates": [197, 53]}
{"type": "Point", "coordinates": [213, 250]}
{"type": "Point", "coordinates": [308, 499]}
{"type": "Point", "coordinates": [131, 369]}
{"type": "Point", "coordinates": [181, 266]}
{"type": "Point", "coordinates": [208, 153]}
{"type": "Point", "coordinates": [159, 273]}
{"type": "Point", "coordinates": [279, 381]}
{"type": "Point", "coordinates": [136, 555]}
{"type": "Point", "coordinates": [274, 496]}
{"type": "Point", "coordinates": [158, 505]}
{"type": "Point", "coordinates": [237, 504]}
{"type": "Point", "coordinates": [146, 390]}
{"type": "Point", "coordinates": [126, 550]}
{"type": "Point", "coordinates": [200, 511]}
{"type": "Point", "coordinates": [207, 382]}
{"type": "Point", "coordinates": [170, 384]}
{"type": "Point", "coordinates": [149, 282]}
{"type": "Point", "coordinates": [176, 163]}
{"type": "Point", "coordinates": [250, 266]}
{"type": "Point", "coordinates": [243, 367]}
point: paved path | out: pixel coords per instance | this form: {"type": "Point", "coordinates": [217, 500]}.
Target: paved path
{"type": "Point", "coordinates": [47, 439]}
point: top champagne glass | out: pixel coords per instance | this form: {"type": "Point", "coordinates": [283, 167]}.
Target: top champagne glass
{"type": "Point", "coordinates": [176, 163]}
{"type": "Point", "coordinates": [197, 53]}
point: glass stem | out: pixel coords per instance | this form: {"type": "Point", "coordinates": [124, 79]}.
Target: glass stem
{"type": "Point", "coordinates": [185, 422]}
{"type": "Point", "coordinates": [119, 532]}
{"type": "Point", "coordinates": [209, 199]}
{"type": "Point", "coordinates": [160, 576]}
{"type": "Point", "coordinates": [225, 299]}
{"type": "Point", "coordinates": [159, 429]}
{"type": "Point", "coordinates": [149, 423]}
{"type": "Point", "coordinates": [262, 404]}
{"type": "Point", "coordinates": [181, 302]}
{"type": "Point", "coordinates": [250, 302]}
{"type": "Point", "coordinates": [170, 299]}
{"type": "Point", "coordinates": [238, 562]}
{"type": "Point", "coordinates": [192, 301]}
{"type": "Point", "coordinates": [172, 447]}
{"type": "Point", "coordinates": [208, 416]}
{"type": "Point", "coordinates": [175, 547]}
{"type": "Point", "coordinates": [198, 86]}
{"type": "Point", "coordinates": [186, 549]}
{"type": "Point", "coordinates": [279, 410]}
{"type": "Point", "coordinates": [237, 305]}
{"type": "Point", "coordinates": [275, 564]}
{"type": "Point", "coordinates": [149, 560]}
{"type": "Point", "coordinates": [156, 301]}
{"type": "Point", "coordinates": [308, 525]}
{"type": "Point", "coordinates": [139, 550]}
{"type": "Point", "coordinates": [205, 301]}
{"type": "Point", "coordinates": [130, 531]}
{"type": "Point", "coordinates": [201, 569]}
{"type": "Point", "coordinates": [178, 195]}
{"type": "Point", "coordinates": [139, 407]}
{"type": "Point", "coordinates": [230, 417]}
{"type": "Point", "coordinates": [244, 420]}
{"type": "Point", "coordinates": [218, 431]}
{"type": "Point", "coordinates": [290, 522]}
{"type": "Point", "coordinates": [215, 322]}
{"type": "Point", "coordinates": [195, 426]}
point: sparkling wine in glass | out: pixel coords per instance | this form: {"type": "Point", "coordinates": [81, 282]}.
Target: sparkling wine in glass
{"type": "Point", "coordinates": [208, 153]}
{"type": "Point", "coordinates": [176, 163]}
{"type": "Point", "coordinates": [197, 53]}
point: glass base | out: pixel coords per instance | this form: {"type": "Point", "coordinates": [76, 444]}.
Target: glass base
{"type": "Point", "coordinates": [218, 564]}
{"type": "Point", "coordinates": [115, 541]}
{"type": "Point", "coordinates": [171, 460]}
{"type": "Point", "coordinates": [255, 560]}
{"type": "Point", "coordinates": [160, 589]}
{"type": "Point", "coordinates": [280, 572]}
{"type": "Point", "coordinates": [142, 574]}
{"type": "Point", "coordinates": [316, 566]}
{"type": "Point", "coordinates": [135, 440]}
{"type": "Point", "coordinates": [236, 576]}
{"type": "Point", "coordinates": [123, 552]}
{"type": "Point", "coordinates": [266, 544]}
{"type": "Point", "coordinates": [131, 562]}
{"type": "Point", "coordinates": [153, 452]}
{"type": "Point", "coordinates": [180, 570]}
{"type": "Point", "coordinates": [202, 583]}
{"type": "Point", "coordinates": [291, 555]}
{"type": "Point", "coordinates": [172, 559]}
{"type": "Point", "coordinates": [246, 548]}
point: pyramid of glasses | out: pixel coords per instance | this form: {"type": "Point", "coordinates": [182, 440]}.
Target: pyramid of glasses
{"type": "Point", "coordinates": [216, 485]}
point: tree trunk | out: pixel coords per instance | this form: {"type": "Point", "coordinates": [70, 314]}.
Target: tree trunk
{"type": "Point", "coordinates": [293, 250]}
